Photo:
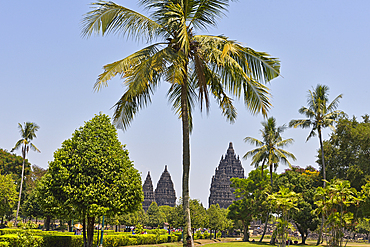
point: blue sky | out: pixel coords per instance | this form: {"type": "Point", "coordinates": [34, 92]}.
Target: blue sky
{"type": "Point", "coordinates": [48, 71]}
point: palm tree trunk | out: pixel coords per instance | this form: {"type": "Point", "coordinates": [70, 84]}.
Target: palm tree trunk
{"type": "Point", "coordinates": [186, 165]}
{"type": "Point", "coordinates": [319, 239]}
{"type": "Point", "coordinates": [265, 227]}
{"type": "Point", "coordinates": [20, 189]}
{"type": "Point", "coordinates": [322, 158]}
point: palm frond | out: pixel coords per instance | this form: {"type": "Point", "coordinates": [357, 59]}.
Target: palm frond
{"type": "Point", "coordinates": [207, 12]}
{"type": "Point", "coordinates": [124, 66]}
{"type": "Point", "coordinates": [108, 17]}
{"type": "Point", "coordinates": [17, 145]}
{"type": "Point", "coordinates": [34, 148]}
{"type": "Point", "coordinates": [141, 79]}
{"type": "Point", "coordinates": [334, 104]}
{"type": "Point", "coordinates": [303, 123]}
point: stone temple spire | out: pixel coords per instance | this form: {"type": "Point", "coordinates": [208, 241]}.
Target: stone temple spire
{"type": "Point", "coordinates": [165, 193]}
{"type": "Point", "coordinates": [230, 167]}
{"type": "Point", "coordinates": [148, 192]}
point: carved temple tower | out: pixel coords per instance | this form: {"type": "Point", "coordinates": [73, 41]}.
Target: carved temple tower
{"type": "Point", "coordinates": [229, 167]}
{"type": "Point", "coordinates": [148, 192]}
{"type": "Point", "coordinates": [165, 193]}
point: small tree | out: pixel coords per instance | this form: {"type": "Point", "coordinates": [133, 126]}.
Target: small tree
{"type": "Point", "coordinates": [284, 201]}
{"type": "Point", "coordinates": [92, 173]}
{"type": "Point", "coordinates": [155, 216]}
{"type": "Point", "coordinates": [333, 202]}
{"type": "Point", "coordinates": [8, 194]}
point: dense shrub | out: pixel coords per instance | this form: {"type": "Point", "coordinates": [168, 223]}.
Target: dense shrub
{"type": "Point", "coordinates": [4, 244]}
{"type": "Point", "coordinates": [55, 239]}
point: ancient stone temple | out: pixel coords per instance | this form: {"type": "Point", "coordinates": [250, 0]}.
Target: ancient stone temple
{"type": "Point", "coordinates": [229, 167]}
{"type": "Point", "coordinates": [165, 193]}
{"type": "Point", "coordinates": [148, 192]}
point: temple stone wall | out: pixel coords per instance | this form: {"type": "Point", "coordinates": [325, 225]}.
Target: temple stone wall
{"type": "Point", "coordinates": [230, 167]}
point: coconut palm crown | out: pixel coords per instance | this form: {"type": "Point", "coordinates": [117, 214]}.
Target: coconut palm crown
{"type": "Point", "coordinates": [320, 114]}
{"type": "Point", "coordinates": [195, 66]}
{"type": "Point", "coordinates": [270, 147]}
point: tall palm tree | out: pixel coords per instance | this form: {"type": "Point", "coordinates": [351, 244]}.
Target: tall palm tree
{"type": "Point", "coordinates": [270, 147]}
{"type": "Point", "coordinates": [28, 132]}
{"type": "Point", "coordinates": [195, 66]}
{"type": "Point", "coordinates": [320, 114]}
{"type": "Point", "coordinates": [269, 150]}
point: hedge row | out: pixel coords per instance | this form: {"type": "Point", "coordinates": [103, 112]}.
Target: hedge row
{"type": "Point", "coordinates": [77, 240]}
{"type": "Point", "coordinates": [5, 231]}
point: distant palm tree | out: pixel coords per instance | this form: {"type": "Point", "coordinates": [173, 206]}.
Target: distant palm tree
{"type": "Point", "coordinates": [28, 132]}
{"type": "Point", "coordinates": [320, 114]}
{"type": "Point", "coordinates": [270, 147]}
{"type": "Point", "coordinates": [195, 66]}
{"type": "Point", "coordinates": [269, 150]}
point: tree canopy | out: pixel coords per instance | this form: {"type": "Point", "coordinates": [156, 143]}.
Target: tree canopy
{"type": "Point", "coordinates": [92, 172]}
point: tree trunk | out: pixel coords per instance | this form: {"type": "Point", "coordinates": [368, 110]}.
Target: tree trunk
{"type": "Point", "coordinates": [47, 223]}
{"type": "Point", "coordinates": [319, 239]}
{"type": "Point", "coordinates": [265, 227]}
{"type": "Point", "coordinates": [20, 188]}
{"type": "Point", "coordinates": [90, 231]}
{"type": "Point", "coordinates": [245, 232]}
{"type": "Point", "coordinates": [187, 240]}
{"type": "Point", "coordinates": [84, 229]}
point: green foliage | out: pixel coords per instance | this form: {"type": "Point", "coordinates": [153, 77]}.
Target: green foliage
{"type": "Point", "coordinates": [139, 229]}
{"type": "Point", "coordinates": [217, 218]}
{"type": "Point", "coordinates": [11, 164]}
{"type": "Point", "coordinates": [8, 194]}
{"type": "Point", "coordinates": [304, 182]}
{"type": "Point", "coordinates": [284, 202]}
{"type": "Point", "coordinates": [91, 174]}
{"type": "Point", "coordinates": [333, 202]}
{"type": "Point", "coordinates": [252, 192]}
{"type": "Point", "coordinates": [347, 152]}
{"type": "Point", "coordinates": [155, 216]}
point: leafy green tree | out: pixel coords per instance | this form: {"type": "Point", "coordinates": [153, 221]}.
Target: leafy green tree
{"type": "Point", "coordinates": [32, 207]}
{"type": "Point", "coordinates": [198, 214]}
{"type": "Point", "coordinates": [242, 210]}
{"type": "Point", "coordinates": [270, 147]}
{"type": "Point", "coordinates": [217, 218]}
{"type": "Point", "coordinates": [252, 192]}
{"type": "Point", "coordinates": [12, 164]}
{"type": "Point", "coordinates": [166, 212]}
{"type": "Point", "coordinates": [347, 152]}
{"type": "Point", "coordinates": [320, 114]}
{"type": "Point", "coordinates": [8, 194]}
{"type": "Point", "coordinates": [92, 173]}
{"type": "Point", "coordinates": [28, 133]}
{"type": "Point", "coordinates": [334, 202]}
{"type": "Point", "coordinates": [284, 201]}
{"type": "Point", "coordinates": [133, 218]}
{"type": "Point", "coordinates": [191, 64]}
{"type": "Point", "coordinates": [303, 182]}
{"type": "Point", "coordinates": [155, 216]}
